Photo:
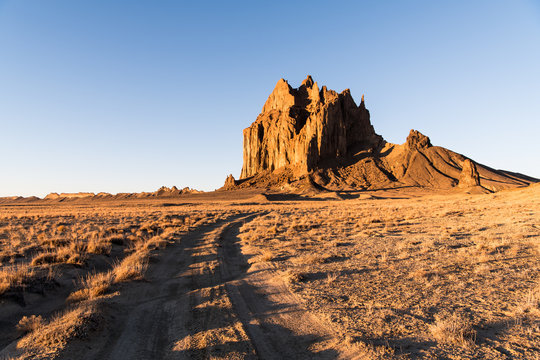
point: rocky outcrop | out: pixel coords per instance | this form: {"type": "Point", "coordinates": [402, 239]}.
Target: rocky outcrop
{"type": "Point", "coordinates": [165, 191]}
{"type": "Point", "coordinates": [79, 195]}
{"type": "Point", "coordinates": [305, 126]}
{"type": "Point", "coordinates": [417, 141]}
{"type": "Point", "coordinates": [162, 192]}
{"type": "Point", "coordinates": [307, 137]}
{"type": "Point", "coordinates": [469, 176]}
{"type": "Point", "coordinates": [230, 183]}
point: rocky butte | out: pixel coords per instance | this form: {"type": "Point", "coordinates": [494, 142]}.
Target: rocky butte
{"type": "Point", "coordinates": [317, 138]}
{"type": "Point", "coordinates": [305, 126]}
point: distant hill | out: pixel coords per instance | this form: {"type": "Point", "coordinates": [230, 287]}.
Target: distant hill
{"type": "Point", "coordinates": [163, 192]}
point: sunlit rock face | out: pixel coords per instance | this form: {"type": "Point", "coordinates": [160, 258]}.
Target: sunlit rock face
{"type": "Point", "coordinates": [469, 176]}
{"type": "Point", "coordinates": [303, 127]}
{"type": "Point", "coordinates": [417, 141]}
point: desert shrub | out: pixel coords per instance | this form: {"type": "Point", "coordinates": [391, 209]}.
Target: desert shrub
{"type": "Point", "coordinates": [14, 276]}
{"type": "Point", "coordinates": [70, 255]}
{"type": "Point", "coordinates": [132, 267]}
{"type": "Point", "coordinates": [29, 323]}
{"type": "Point", "coordinates": [156, 242]}
{"type": "Point", "coordinates": [532, 299]}
{"type": "Point", "coordinates": [331, 278]}
{"type": "Point", "coordinates": [66, 254]}
{"type": "Point", "coordinates": [250, 237]}
{"type": "Point", "coordinates": [292, 276]}
{"type": "Point", "coordinates": [92, 286]}
{"type": "Point", "coordinates": [453, 328]}
{"type": "Point", "coordinates": [52, 241]}
{"type": "Point", "coordinates": [96, 246]}
{"type": "Point", "coordinates": [266, 255]}
{"type": "Point", "coordinates": [311, 259]}
{"type": "Point", "coordinates": [44, 258]}
{"type": "Point", "coordinates": [272, 230]}
{"type": "Point", "coordinates": [54, 334]}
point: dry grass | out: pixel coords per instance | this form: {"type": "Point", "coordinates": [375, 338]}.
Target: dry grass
{"type": "Point", "coordinates": [49, 237]}
{"type": "Point", "coordinates": [293, 277]}
{"type": "Point", "coordinates": [29, 323]}
{"type": "Point", "coordinates": [99, 246]}
{"type": "Point", "coordinates": [400, 262]}
{"type": "Point", "coordinates": [389, 274]}
{"type": "Point", "coordinates": [267, 255]}
{"type": "Point", "coordinates": [92, 286]}
{"type": "Point", "coordinates": [331, 278]}
{"type": "Point", "coordinates": [14, 277]}
{"type": "Point", "coordinates": [531, 301]}
{"type": "Point", "coordinates": [131, 268]}
{"type": "Point", "coordinates": [454, 328]}
{"type": "Point", "coordinates": [41, 248]}
{"type": "Point", "coordinates": [156, 242]}
{"type": "Point", "coordinates": [46, 339]}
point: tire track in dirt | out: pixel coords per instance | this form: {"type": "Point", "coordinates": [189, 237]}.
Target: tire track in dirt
{"type": "Point", "coordinates": [149, 317]}
{"type": "Point", "coordinates": [277, 324]}
{"type": "Point", "coordinates": [202, 300]}
{"type": "Point", "coordinates": [214, 329]}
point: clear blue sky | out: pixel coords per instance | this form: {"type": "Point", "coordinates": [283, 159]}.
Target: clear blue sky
{"type": "Point", "coordinates": [124, 96]}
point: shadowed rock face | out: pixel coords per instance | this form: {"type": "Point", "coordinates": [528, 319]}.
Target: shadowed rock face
{"type": "Point", "coordinates": [304, 126]}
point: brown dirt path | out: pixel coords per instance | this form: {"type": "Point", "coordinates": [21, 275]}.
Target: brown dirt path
{"type": "Point", "coordinates": [202, 300]}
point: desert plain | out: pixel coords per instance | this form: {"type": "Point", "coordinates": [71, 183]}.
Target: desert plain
{"type": "Point", "coordinates": [398, 273]}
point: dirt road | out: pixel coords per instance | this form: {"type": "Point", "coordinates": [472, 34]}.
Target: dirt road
{"type": "Point", "coordinates": [203, 300]}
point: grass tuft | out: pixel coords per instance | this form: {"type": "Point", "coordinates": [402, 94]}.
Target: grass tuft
{"type": "Point", "coordinates": [453, 328]}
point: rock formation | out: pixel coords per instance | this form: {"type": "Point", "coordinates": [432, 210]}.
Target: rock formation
{"type": "Point", "coordinates": [307, 137]}
{"type": "Point", "coordinates": [162, 192]}
{"type": "Point", "coordinates": [469, 175]}
{"type": "Point", "coordinates": [165, 191]}
{"type": "Point", "coordinates": [230, 183]}
{"type": "Point", "coordinates": [417, 141]}
{"type": "Point", "coordinates": [79, 195]}
{"type": "Point", "coordinates": [302, 127]}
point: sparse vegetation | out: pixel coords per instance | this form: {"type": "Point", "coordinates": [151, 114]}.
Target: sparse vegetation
{"type": "Point", "coordinates": [102, 247]}
{"type": "Point", "coordinates": [267, 255]}
{"type": "Point", "coordinates": [46, 339]}
{"type": "Point", "coordinates": [293, 277]}
{"type": "Point", "coordinates": [132, 267]}
{"type": "Point", "coordinates": [403, 262]}
{"type": "Point", "coordinates": [455, 273]}
{"type": "Point", "coordinates": [454, 329]}
{"type": "Point", "coordinates": [93, 286]}
{"type": "Point", "coordinates": [29, 323]}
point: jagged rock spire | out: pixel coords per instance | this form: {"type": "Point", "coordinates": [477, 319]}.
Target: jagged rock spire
{"type": "Point", "coordinates": [308, 82]}
{"type": "Point", "coordinates": [304, 126]}
{"type": "Point", "coordinates": [417, 141]}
